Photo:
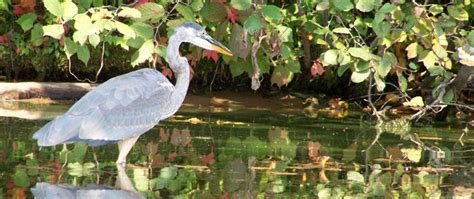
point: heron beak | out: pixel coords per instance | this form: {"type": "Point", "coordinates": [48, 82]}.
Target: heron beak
{"type": "Point", "coordinates": [217, 46]}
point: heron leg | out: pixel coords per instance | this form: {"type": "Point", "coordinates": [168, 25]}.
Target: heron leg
{"type": "Point", "coordinates": [124, 147]}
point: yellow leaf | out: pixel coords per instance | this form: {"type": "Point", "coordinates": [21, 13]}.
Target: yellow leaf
{"type": "Point", "coordinates": [415, 102]}
{"type": "Point", "coordinates": [412, 50]}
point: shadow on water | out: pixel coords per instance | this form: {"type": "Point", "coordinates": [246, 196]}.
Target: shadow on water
{"type": "Point", "coordinates": [241, 153]}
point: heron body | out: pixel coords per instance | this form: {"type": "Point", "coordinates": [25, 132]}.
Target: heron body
{"type": "Point", "coordinates": [124, 107]}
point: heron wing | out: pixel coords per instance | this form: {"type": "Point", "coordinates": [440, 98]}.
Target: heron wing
{"type": "Point", "coordinates": [122, 107]}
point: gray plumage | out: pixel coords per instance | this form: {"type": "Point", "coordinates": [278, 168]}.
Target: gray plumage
{"type": "Point", "coordinates": [126, 106]}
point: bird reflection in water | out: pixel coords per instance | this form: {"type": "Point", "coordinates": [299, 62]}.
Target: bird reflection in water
{"type": "Point", "coordinates": [123, 189]}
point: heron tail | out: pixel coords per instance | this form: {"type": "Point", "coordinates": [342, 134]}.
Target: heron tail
{"type": "Point", "coordinates": [61, 130]}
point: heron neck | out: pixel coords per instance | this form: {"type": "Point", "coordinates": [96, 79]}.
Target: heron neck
{"type": "Point", "coordinates": [180, 67]}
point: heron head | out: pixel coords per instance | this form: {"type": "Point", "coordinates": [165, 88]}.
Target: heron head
{"type": "Point", "coordinates": [195, 34]}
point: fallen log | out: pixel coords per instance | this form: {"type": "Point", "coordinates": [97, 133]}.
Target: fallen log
{"type": "Point", "coordinates": [54, 91]}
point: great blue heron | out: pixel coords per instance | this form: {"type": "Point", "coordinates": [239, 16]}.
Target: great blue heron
{"type": "Point", "coordinates": [124, 107]}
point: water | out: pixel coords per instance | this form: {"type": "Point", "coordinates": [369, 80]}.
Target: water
{"type": "Point", "coordinates": [205, 152]}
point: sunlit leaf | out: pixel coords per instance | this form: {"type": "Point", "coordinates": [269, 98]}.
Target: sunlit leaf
{"type": "Point", "coordinates": [415, 102]}
{"type": "Point", "coordinates": [412, 50]}
{"type": "Point", "coordinates": [54, 7]}
{"type": "Point", "coordinates": [129, 12]}
{"type": "Point", "coordinates": [126, 30]}
{"type": "Point", "coordinates": [363, 53]}
{"type": "Point", "coordinates": [458, 13]}
{"type": "Point", "coordinates": [55, 31]}
{"type": "Point", "coordinates": [412, 154]}
{"type": "Point", "coordinates": [341, 30]}
{"type": "Point", "coordinates": [281, 76]}
{"type": "Point", "coordinates": [358, 77]}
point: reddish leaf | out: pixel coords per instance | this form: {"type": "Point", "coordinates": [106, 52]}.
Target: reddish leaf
{"type": "Point", "coordinates": [175, 137]}
{"type": "Point", "coordinates": [3, 38]}
{"type": "Point", "coordinates": [140, 3]}
{"type": "Point", "coordinates": [212, 55]}
{"type": "Point", "coordinates": [166, 72]}
{"type": "Point", "coordinates": [317, 68]}
{"type": "Point", "coordinates": [232, 14]}
{"type": "Point", "coordinates": [164, 136]}
{"type": "Point", "coordinates": [218, 1]}
{"type": "Point", "coordinates": [18, 10]}
{"type": "Point", "coordinates": [17, 51]}
{"type": "Point", "coordinates": [226, 195]}
{"type": "Point", "coordinates": [208, 159]}
{"type": "Point", "coordinates": [185, 137]}
{"type": "Point", "coordinates": [171, 156]}
{"type": "Point", "coordinates": [28, 5]}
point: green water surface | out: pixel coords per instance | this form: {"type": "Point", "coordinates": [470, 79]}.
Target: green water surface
{"type": "Point", "coordinates": [205, 152]}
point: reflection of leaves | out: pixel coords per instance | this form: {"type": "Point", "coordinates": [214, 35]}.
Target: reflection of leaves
{"type": "Point", "coordinates": [234, 175]}
{"type": "Point", "coordinates": [349, 153]}
{"type": "Point", "coordinates": [313, 150]}
{"type": "Point", "coordinates": [164, 135]}
{"type": "Point", "coordinates": [395, 152]}
{"type": "Point", "coordinates": [77, 154]}
{"type": "Point", "coordinates": [255, 147]}
{"type": "Point", "coordinates": [183, 138]}
{"type": "Point", "coordinates": [412, 154]}
{"type": "Point", "coordinates": [78, 169]}
{"type": "Point", "coordinates": [20, 178]}
{"type": "Point", "coordinates": [208, 159]}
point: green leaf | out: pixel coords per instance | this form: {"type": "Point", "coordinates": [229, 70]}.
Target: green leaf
{"type": "Point", "coordinates": [54, 31]}
{"type": "Point", "coordinates": [362, 52]}
{"type": "Point", "coordinates": [197, 5]}
{"type": "Point", "coordinates": [387, 7]}
{"type": "Point", "coordinates": [402, 82]}
{"type": "Point", "coordinates": [4, 5]}
{"type": "Point", "coordinates": [143, 30]}
{"type": "Point", "coordinates": [293, 65]}
{"type": "Point", "coordinates": [237, 67]}
{"type": "Point", "coordinates": [341, 69]}
{"type": "Point", "coordinates": [214, 12]}
{"type": "Point", "coordinates": [94, 40]}
{"type": "Point", "coordinates": [70, 47]}
{"type": "Point", "coordinates": [436, 9]}
{"type": "Point", "coordinates": [83, 54]}
{"type": "Point", "coordinates": [20, 178]}
{"type": "Point", "coordinates": [412, 154]}
{"type": "Point", "coordinates": [241, 4]}
{"type": "Point", "coordinates": [285, 33]}
{"type": "Point", "coordinates": [365, 5]}
{"type": "Point", "coordinates": [381, 29]}
{"type": "Point", "coordinates": [168, 173]}
{"type": "Point", "coordinates": [341, 30]}
{"type": "Point", "coordinates": [86, 4]}
{"type": "Point", "coordinates": [253, 24]}
{"type": "Point", "coordinates": [272, 12]}
{"type": "Point", "coordinates": [388, 62]}
{"type": "Point", "coordinates": [54, 7]}
{"type": "Point", "coordinates": [458, 13]}
{"type": "Point", "coordinates": [144, 53]}
{"type": "Point", "coordinates": [126, 30]}
{"type": "Point", "coordinates": [344, 5]}
{"type": "Point", "coordinates": [185, 11]}
{"type": "Point", "coordinates": [129, 12]}
{"type": "Point", "coordinates": [151, 11]}
{"type": "Point", "coordinates": [26, 21]}
{"type": "Point", "coordinates": [37, 34]}
{"type": "Point", "coordinates": [358, 77]}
